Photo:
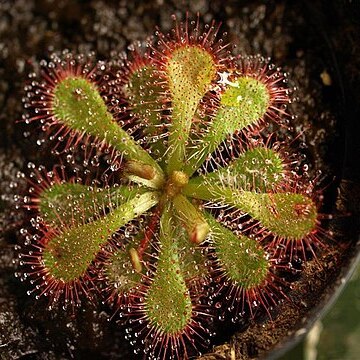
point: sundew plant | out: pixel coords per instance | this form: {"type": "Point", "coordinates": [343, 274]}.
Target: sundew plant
{"type": "Point", "coordinates": [174, 200]}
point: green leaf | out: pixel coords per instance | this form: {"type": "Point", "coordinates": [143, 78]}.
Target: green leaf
{"type": "Point", "coordinates": [258, 169]}
{"type": "Point", "coordinates": [68, 254]}
{"type": "Point", "coordinates": [244, 102]}
{"type": "Point", "coordinates": [190, 71]}
{"type": "Point", "coordinates": [288, 215]}
{"type": "Point", "coordinates": [75, 204]}
{"type": "Point", "coordinates": [78, 105]}
{"type": "Point", "coordinates": [143, 91]}
{"type": "Point", "coordinates": [241, 258]}
{"type": "Point", "coordinates": [144, 94]}
{"type": "Point", "coordinates": [167, 302]}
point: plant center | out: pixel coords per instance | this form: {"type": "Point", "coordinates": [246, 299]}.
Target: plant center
{"type": "Point", "coordinates": [175, 183]}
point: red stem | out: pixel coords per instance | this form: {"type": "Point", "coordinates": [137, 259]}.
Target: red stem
{"type": "Point", "coordinates": [149, 232]}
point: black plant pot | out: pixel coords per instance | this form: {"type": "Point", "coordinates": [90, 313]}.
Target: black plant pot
{"type": "Point", "coordinates": [316, 42]}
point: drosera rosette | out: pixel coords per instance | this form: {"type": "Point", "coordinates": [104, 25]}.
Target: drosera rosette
{"type": "Point", "coordinates": [203, 199]}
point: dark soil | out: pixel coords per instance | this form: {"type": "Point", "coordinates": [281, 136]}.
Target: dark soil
{"type": "Point", "coordinates": [307, 39]}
